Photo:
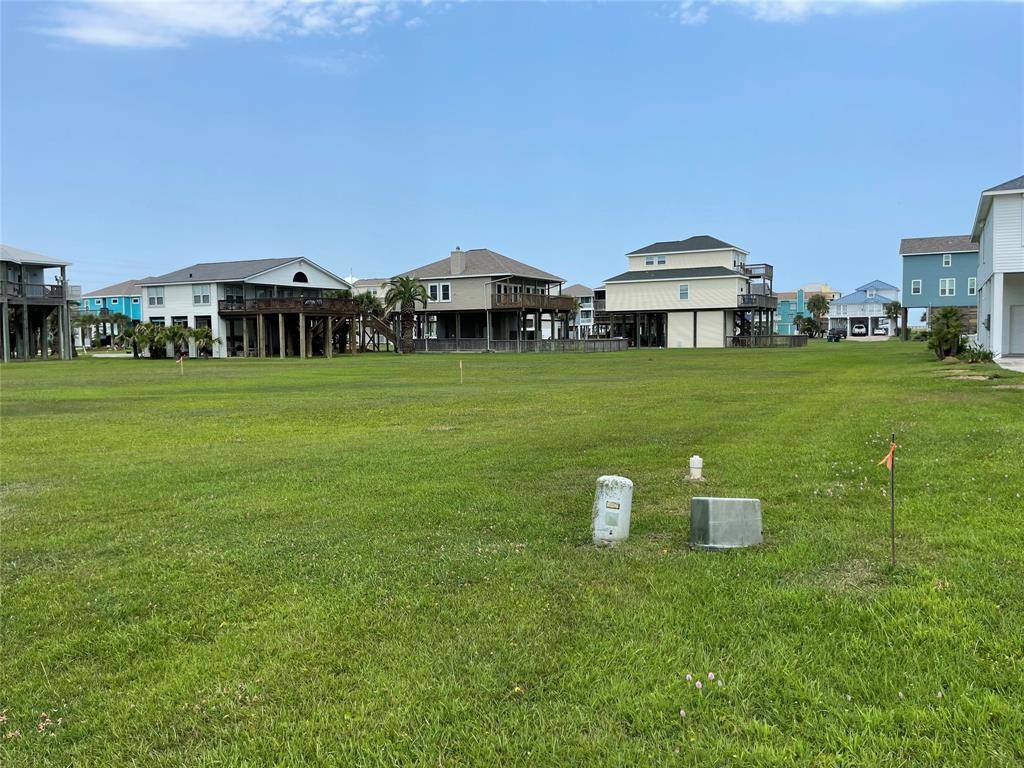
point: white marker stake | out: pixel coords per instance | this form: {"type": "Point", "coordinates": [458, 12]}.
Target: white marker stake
{"type": "Point", "coordinates": [460, 373]}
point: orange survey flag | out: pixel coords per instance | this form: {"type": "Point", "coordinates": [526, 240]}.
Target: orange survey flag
{"type": "Point", "coordinates": [887, 459]}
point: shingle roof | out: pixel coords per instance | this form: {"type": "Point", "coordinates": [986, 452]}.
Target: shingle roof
{"type": "Point", "coordinates": [19, 256]}
{"type": "Point", "coordinates": [878, 285]}
{"type": "Point", "coordinates": [911, 246]}
{"type": "Point", "coordinates": [217, 271]}
{"type": "Point", "coordinates": [785, 295]}
{"type": "Point", "coordinates": [371, 282]}
{"type": "Point", "coordinates": [1008, 186]}
{"type": "Point", "coordinates": [695, 243]}
{"type": "Point", "coordinates": [672, 274]}
{"type": "Point", "coordinates": [481, 262]}
{"type": "Point", "coordinates": [125, 288]}
{"type": "Point", "coordinates": [576, 289]}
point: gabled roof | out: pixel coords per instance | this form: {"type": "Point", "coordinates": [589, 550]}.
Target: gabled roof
{"type": "Point", "coordinates": [577, 290]}
{"type": "Point", "coordinates": [125, 288]}
{"type": "Point", "coordinates": [218, 271]}
{"type": "Point", "coordinates": [19, 256]}
{"type": "Point", "coordinates": [878, 285]}
{"type": "Point", "coordinates": [481, 262]}
{"type": "Point", "coordinates": [673, 274]}
{"type": "Point", "coordinates": [914, 246]}
{"type": "Point", "coordinates": [695, 243]}
{"type": "Point", "coordinates": [371, 282]}
{"type": "Point", "coordinates": [1013, 185]}
{"type": "Point", "coordinates": [860, 296]}
{"type": "Point", "coordinates": [1007, 187]}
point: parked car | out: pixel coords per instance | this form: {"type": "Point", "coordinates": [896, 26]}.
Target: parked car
{"type": "Point", "coordinates": [881, 330]}
{"type": "Point", "coordinates": [841, 332]}
{"type": "Point", "coordinates": [835, 334]}
{"type": "Point", "coordinates": [859, 330]}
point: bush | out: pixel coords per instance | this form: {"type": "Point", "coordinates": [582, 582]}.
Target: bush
{"type": "Point", "coordinates": [972, 353]}
{"type": "Point", "coordinates": [946, 328]}
{"type": "Point", "coordinates": [920, 336]}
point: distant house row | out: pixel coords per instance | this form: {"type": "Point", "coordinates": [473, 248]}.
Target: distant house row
{"type": "Point", "coordinates": [698, 292]}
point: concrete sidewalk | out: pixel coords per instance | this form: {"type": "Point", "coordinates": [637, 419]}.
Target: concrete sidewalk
{"type": "Point", "coordinates": [1012, 363]}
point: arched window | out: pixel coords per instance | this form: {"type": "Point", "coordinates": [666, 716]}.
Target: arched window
{"type": "Point", "coordinates": [300, 277]}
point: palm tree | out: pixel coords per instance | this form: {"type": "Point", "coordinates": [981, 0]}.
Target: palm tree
{"type": "Point", "coordinates": [86, 322]}
{"type": "Point", "coordinates": [146, 337]}
{"type": "Point", "coordinates": [128, 336]}
{"type": "Point", "coordinates": [369, 305]}
{"type": "Point", "coordinates": [817, 305]}
{"type": "Point", "coordinates": [892, 311]}
{"type": "Point", "coordinates": [117, 320]}
{"type": "Point", "coordinates": [204, 340]}
{"type": "Point", "coordinates": [175, 335]}
{"type": "Point", "coordinates": [946, 331]}
{"type": "Point", "coordinates": [404, 293]}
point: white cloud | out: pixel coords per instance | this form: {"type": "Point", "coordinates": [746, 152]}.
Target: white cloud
{"type": "Point", "coordinates": [164, 23]}
{"type": "Point", "coordinates": [698, 11]}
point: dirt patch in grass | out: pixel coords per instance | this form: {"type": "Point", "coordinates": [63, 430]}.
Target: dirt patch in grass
{"type": "Point", "coordinates": [441, 428]}
{"type": "Point", "coordinates": [969, 378]}
{"type": "Point", "coordinates": [1008, 386]}
{"type": "Point", "coordinates": [855, 575]}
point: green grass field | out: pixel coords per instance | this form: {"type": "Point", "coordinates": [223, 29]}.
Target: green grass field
{"type": "Point", "coordinates": [363, 562]}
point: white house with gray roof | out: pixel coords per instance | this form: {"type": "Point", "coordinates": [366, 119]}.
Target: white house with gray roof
{"type": "Point", "coordinates": [482, 299]}
{"type": "Point", "coordinates": [256, 307]}
{"type": "Point", "coordinates": [581, 324]}
{"type": "Point", "coordinates": [862, 313]}
{"type": "Point", "coordinates": [999, 230]}
{"type": "Point", "coordinates": [697, 292]}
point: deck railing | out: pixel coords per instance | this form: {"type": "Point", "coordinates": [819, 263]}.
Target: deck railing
{"type": "Point", "coordinates": [34, 291]}
{"type": "Point", "coordinates": [511, 345]}
{"type": "Point", "coordinates": [765, 341]}
{"type": "Point", "coordinates": [291, 304]}
{"type": "Point", "coordinates": [756, 301]}
{"type": "Point", "coordinates": [526, 301]}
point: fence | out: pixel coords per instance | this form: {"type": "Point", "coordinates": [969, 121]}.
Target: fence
{"type": "Point", "coordinates": [765, 341]}
{"type": "Point", "coordinates": [506, 345]}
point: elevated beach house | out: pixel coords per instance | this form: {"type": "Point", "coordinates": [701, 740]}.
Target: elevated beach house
{"type": "Point", "coordinates": [260, 307]}
{"type": "Point", "coordinates": [35, 313]}
{"type": "Point", "coordinates": [120, 298]}
{"type": "Point", "coordinates": [581, 324]}
{"type": "Point", "coordinates": [999, 231]}
{"type": "Point", "coordinates": [793, 304]}
{"type": "Point", "coordinates": [698, 292]}
{"type": "Point", "coordinates": [482, 300]}
{"type": "Point", "coordinates": [940, 272]}
{"type": "Point", "coordinates": [862, 313]}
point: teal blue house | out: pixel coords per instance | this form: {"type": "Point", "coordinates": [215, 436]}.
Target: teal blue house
{"type": "Point", "coordinates": [940, 272]}
{"type": "Point", "coordinates": [125, 298]}
{"type": "Point", "coordinates": [794, 303]}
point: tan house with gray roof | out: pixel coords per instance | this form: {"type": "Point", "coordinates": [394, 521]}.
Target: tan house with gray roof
{"type": "Point", "coordinates": [482, 296]}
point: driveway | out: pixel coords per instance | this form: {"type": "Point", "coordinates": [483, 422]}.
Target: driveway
{"type": "Point", "coordinates": [1012, 363]}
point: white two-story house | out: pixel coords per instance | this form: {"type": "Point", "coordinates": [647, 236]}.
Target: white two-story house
{"type": "Point", "coordinates": [862, 313]}
{"type": "Point", "coordinates": [581, 324]}
{"type": "Point", "coordinates": [999, 230]}
{"type": "Point", "coordinates": [698, 292]}
{"type": "Point", "coordinates": [258, 307]}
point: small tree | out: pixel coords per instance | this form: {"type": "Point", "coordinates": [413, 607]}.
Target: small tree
{"type": "Point", "coordinates": [946, 330]}
{"type": "Point", "coordinates": [404, 293]}
{"type": "Point", "coordinates": [817, 305]}
{"type": "Point", "coordinates": [892, 311]}
{"type": "Point", "coordinates": [808, 326]}
{"type": "Point", "coordinates": [204, 341]}
{"type": "Point", "coordinates": [175, 335]}
{"type": "Point", "coordinates": [127, 336]}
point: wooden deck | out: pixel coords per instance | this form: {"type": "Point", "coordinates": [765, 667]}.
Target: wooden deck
{"type": "Point", "coordinates": [292, 305]}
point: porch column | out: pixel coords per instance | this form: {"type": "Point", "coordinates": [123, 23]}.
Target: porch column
{"type": "Point", "coordinates": [280, 332]}
{"type": "Point", "coordinates": [904, 331]}
{"type": "Point", "coordinates": [353, 343]}
{"type": "Point", "coordinates": [519, 332]}
{"type": "Point", "coordinates": [25, 343]}
{"type": "Point", "coordinates": [261, 335]}
{"type": "Point", "coordinates": [488, 314]}
{"type": "Point", "coordinates": [245, 337]}
{"type": "Point", "coordinates": [636, 330]}
{"type": "Point", "coordinates": [6, 330]}
{"type": "Point", "coordinates": [64, 318]}
{"type": "Point", "coordinates": [44, 335]}
{"type": "Point", "coordinates": [302, 334]}
{"type": "Point", "coordinates": [62, 337]}
{"type": "Point", "coordinates": [329, 341]}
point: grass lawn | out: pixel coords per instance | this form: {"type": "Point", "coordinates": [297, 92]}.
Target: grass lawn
{"type": "Point", "coordinates": [360, 562]}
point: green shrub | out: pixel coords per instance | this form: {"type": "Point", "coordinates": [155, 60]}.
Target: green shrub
{"type": "Point", "coordinates": [972, 353]}
{"type": "Point", "coordinates": [946, 332]}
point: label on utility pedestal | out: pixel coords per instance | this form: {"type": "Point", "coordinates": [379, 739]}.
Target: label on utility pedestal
{"type": "Point", "coordinates": [613, 502]}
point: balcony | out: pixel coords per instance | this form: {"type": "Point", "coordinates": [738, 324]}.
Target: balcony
{"type": "Point", "coordinates": [599, 305]}
{"type": "Point", "coordinates": [531, 302]}
{"type": "Point", "coordinates": [758, 271]}
{"type": "Point", "coordinates": [34, 291]}
{"type": "Point", "coordinates": [756, 301]}
{"type": "Point", "coordinates": [310, 305]}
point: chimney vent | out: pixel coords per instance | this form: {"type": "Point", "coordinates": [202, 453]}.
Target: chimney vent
{"type": "Point", "coordinates": [458, 261]}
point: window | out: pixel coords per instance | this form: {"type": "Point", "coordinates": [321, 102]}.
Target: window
{"type": "Point", "coordinates": [135, 299]}
{"type": "Point", "coordinates": [586, 314]}
{"type": "Point", "coordinates": [972, 286]}
{"type": "Point", "coordinates": [649, 261]}
{"type": "Point", "coordinates": [439, 291]}
{"type": "Point", "coordinates": [871, 293]}
{"type": "Point", "coordinates": [113, 301]}
{"type": "Point", "coordinates": [662, 260]}
{"type": "Point", "coordinates": [156, 320]}
{"type": "Point", "coordinates": [201, 293]}
{"type": "Point", "coordinates": [180, 321]}
{"type": "Point", "coordinates": [235, 292]}
{"type": "Point", "coordinates": [915, 287]}
{"type": "Point", "coordinates": [432, 291]}
{"type": "Point", "coordinates": [446, 291]}
{"type": "Point", "coordinates": [947, 259]}
{"type": "Point", "coordinates": [300, 277]}
{"type": "Point", "coordinates": [585, 301]}
{"type": "Point", "coordinates": [156, 296]}
{"type": "Point", "coordinates": [684, 292]}
{"type": "Point", "coordinates": [947, 286]}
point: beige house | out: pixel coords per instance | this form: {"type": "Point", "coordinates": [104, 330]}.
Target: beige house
{"type": "Point", "coordinates": [480, 297]}
{"type": "Point", "coordinates": [698, 292]}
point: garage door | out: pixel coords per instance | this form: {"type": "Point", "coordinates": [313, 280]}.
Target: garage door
{"type": "Point", "coordinates": [711, 329]}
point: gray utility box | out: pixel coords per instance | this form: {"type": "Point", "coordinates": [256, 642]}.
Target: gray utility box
{"type": "Point", "coordinates": [724, 523]}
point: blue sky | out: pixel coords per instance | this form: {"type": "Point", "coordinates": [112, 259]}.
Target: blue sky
{"type": "Point", "coordinates": [139, 138]}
